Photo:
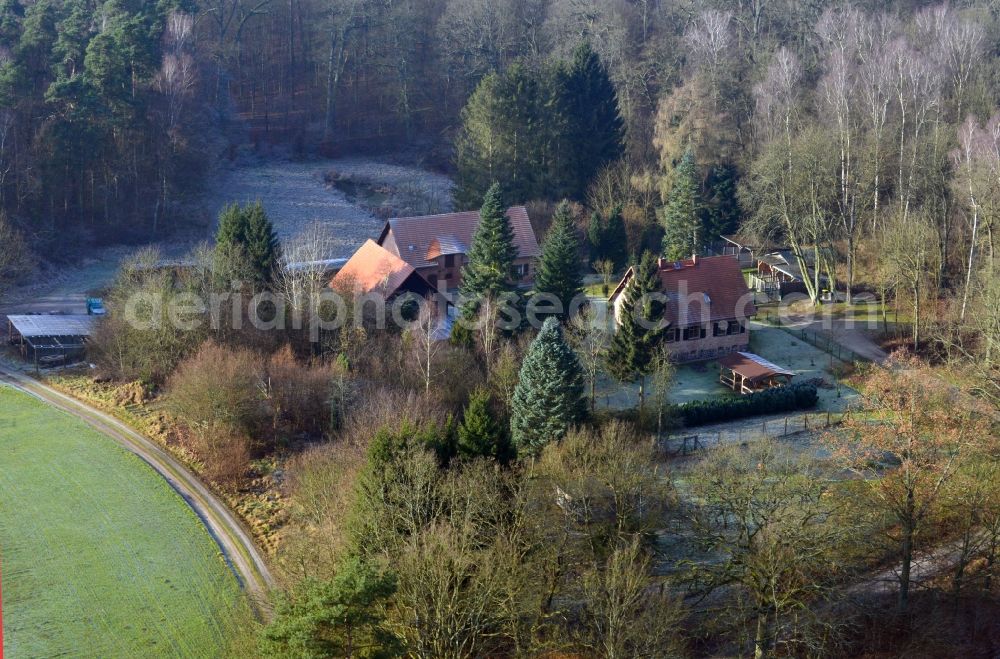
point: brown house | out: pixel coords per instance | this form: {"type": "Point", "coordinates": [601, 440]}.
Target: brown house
{"type": "Point", "coordinates": [437, 246]}
{"type": "Point", "coordinates": [707, 306]}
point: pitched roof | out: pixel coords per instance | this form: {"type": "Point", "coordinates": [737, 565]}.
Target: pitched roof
{"type": "Point", "coordinates": [751, 366]}
{"type": "Point", "coordinates": [700, 289]}
{"type": "Point", "coordinates": [418, 240]}
{"type": "Point", "coordinates": [783, 261]}
{"type": "Point", "coordinates": [373, 268]}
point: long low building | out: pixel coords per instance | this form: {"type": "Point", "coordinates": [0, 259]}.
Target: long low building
{"type": "Point", "coordinates": [53, 337]}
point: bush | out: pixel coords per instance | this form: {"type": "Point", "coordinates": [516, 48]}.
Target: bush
{"type": "Point", "coordinates": [299, 394]}
{"type": "Point", "coordinates": [219, 387]}
{"type": "Point", "coordinates": [771, 401]}
{"type": "Point", "coordinates": [224, 454]}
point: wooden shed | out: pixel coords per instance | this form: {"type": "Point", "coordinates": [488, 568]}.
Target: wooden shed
{"type": "Point", "coordinates": [745, 373]}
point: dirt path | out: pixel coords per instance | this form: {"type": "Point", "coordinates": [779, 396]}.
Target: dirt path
{"type": "Point", "coordinates": [235, 542]}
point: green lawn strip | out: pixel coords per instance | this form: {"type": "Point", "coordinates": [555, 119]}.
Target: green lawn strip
{"type": "Point", "coordinates": [101, 556]}
{"type": "Point", "coordinates": [137, 417]}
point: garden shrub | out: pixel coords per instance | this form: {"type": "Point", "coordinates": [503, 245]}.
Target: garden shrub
{"type": "Point", "coordinates": [770, 401]}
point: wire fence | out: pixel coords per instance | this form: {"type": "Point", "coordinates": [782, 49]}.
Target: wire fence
{"type": "Point", "coordinates": [687, 442]}
{"type": "Point", "coordinates": [822, 341]}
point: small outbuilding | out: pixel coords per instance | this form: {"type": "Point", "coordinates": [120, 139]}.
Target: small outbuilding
{"type": "Point", "coordinates": [746, 373]}
{"type": "Point", "coordinates": [51, 339]}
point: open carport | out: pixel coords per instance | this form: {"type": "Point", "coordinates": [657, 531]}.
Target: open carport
{"type": "Point", "coordinates": [50, 338]}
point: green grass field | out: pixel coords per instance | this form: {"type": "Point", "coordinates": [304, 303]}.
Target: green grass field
{"type": "Point", "coordinates": [100, 556]}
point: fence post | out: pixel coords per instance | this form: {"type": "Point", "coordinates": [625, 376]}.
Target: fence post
{"type": "Point", "coordinates": [763, 427]}
{"type": "Point", "coordinates": [828, 418]}
{"type": "Point", "coordinates": [786, 426]}
{"type": "Point", "coordinates": [806, 420]}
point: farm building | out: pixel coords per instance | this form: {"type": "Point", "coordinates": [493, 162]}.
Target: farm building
{"type": "Point", "coordinates": [50, 339]}
{"type": "Point", "coordinates": [708, 306]}
{"type": "Point", "coordinates": [437, 246]}
{"type": "Point", "coordinates": [373, 269]}
{"type": "Point", "coordinates": [745, 373]}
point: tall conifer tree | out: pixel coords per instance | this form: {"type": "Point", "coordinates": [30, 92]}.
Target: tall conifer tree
{"type": "Point", "coordinates": [630, 357]}
{"type": "Point", "coordinates": [247, 231]}
{"type": "Point", "coordinates": [559, 266]}
{"type": "Point", "coordinates": [501, 138]}
{"type": "Point", "coordinates": [682, 214]}
{"type": "Point", "coordinates": [492, 253]}
{"type": "Point", "coordinates": [549, 396]}
{"type": "Point", "coordinates": [592, 125]}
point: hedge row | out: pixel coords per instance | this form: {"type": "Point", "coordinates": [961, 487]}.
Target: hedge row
{"type": "Point", "coordinates": [770, 401]}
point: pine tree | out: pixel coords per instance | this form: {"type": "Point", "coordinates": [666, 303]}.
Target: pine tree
{"type": "Point", "coordinates": [336, 618]}
{"type": "Point", "coordinates": [682, 214]}
{"type": "Point", "coordinates": [634, 344]}
{"type": "Point", "coordinates": [248, 232]}
{"type": "Point", "coordinates": [559, 266]}
{"type": "Point", "coordinates": [480, 433]}
{"type": "Point", "coordinates": [548, 397]}
{"type": "Point", "coordinates": [492, 253]}
{"type": "Point", "coordinates": [591, 122]}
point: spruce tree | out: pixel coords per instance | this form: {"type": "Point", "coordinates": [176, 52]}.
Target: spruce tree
{"type": "Point", "coordinates": [502, 138]}
{"type": "Point", "coordinates": [630, 357]}
{"type": "Point", "coordinates": [261, 243]}
{"type": "Point", "coordinates": [722, 207]}
{"type": "Point", "coordinates": [559, 266]}
{"type": "Point", "coordinates": [248, 233]}
{"type": "Point", "coordinates": [616, 239]}
{"type": "Point", "coordinates": [682, 215]}
{"type": "Point", "coordinates": [591, 125]}
{"type": "Point", "coordinates": [480, 433]}
{"type": "Point", "coordinates": [548, 397]}
{"type": "Point", "coordinates": [492, 253]}
{"type": "Point", "coordinates": [595, 236]}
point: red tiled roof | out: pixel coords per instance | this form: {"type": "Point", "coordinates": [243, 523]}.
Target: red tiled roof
{"type": "Point", "coordinates": [373, 268]}
{"type": "Point", "coordinates": [702, 289]}
{"type": "Point", "coordinates": [417, 240]}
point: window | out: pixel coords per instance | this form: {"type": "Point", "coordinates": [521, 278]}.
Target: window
{"type": "Point", "coordinates": [694, 332]}
{"type": "Point", "coordinates": [717, 329]}
{"type": "Point", "coordinates": [520, 270]}
{"type": "Point", "coordinates": [743, 328]}
{"type": "Point", "coordinates": [449, 260]}
{"type": "Point", "coordinates": [671, 335]}
{"type": "Point", "coordinates": [733, 327]}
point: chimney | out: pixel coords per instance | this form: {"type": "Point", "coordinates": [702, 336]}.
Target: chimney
{"type": "Point", "coordinates": [694, 259]}
{"type": "Point", "coordinates": [661, 263]}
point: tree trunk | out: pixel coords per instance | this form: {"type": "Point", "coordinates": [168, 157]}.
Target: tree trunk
{"type": "Point", "coordinates": [642, 395]}
{"type": "Point", "coordinates": [904, 573]}
{"type": "Point", "coordinates": [760, 643]}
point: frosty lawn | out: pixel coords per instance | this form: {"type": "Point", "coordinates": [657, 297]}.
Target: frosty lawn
{"type": "Point", "coordinates": [700, 381]}
{"type": "Point", "coordinates": [100, 556]}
